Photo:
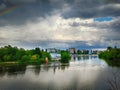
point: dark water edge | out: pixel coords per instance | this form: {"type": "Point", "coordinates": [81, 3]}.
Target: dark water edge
{"type": "Point", "coordinates": [112, 63]}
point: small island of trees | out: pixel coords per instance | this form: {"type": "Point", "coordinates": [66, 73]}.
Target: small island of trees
{"type": "Point", "coordinates": [65, 57]}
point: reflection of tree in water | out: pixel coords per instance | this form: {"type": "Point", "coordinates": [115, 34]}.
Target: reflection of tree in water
{"type": "Point", "coordinates": [2, 71]}
{"type": "Point", "coordinates": [54, 67]}
{"type": "Point", "coordinates": [113, 80]}
{"type": "Point", "coordinates": [37, 70]}
{"type": "Point", "coordinates": [46, 67]}
{"type": "Point", "coordinates": [79, 58]}
{"type": "Point", "coordinates": [59, 67]}
{"type": "Point", "coordinates": [63, 67]}
{"type": "Point", "coordinates": [84, 57]}
{"type": "Point", "coordinates": [12, 70]}
{"type": "Point", "coordinates": [20, 70]}
{"type": "Point", "coordinates": [94, 57]}
{"type": "Point", "coordinates": [74, 57]}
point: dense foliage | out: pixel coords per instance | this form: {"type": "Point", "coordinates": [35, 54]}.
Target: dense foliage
{"type": "Point", "coordinates": [111, 55]}
{"type": "Point", "coordinates": [65, 57]}
{"type": "Point", "coordinates": [20, 55]}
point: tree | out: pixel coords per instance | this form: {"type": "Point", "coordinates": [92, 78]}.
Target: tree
{"type": "Point", "coordinates": [65, 57]}
{"type": "Point", "coordinates": [34, 57]}
{"type": "Point", "coordinates": [19, 54]}
{"type": "Point", "coordinates": [109, 48]}
{"type": "Point", "coordinates": [79, 52]}
{"type": "Point", "coordinates": [25, 59]}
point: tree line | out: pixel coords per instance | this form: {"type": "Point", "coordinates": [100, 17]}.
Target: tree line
{"type": "Point", "coordinates": [111, 55]}
{"type": "Point", "coordinates": [20, 55]}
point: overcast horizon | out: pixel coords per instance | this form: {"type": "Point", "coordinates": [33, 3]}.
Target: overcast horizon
{"type": "Point", "coordinates": [60, 23]}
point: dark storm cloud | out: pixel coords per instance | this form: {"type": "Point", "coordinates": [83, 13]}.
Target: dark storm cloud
{"type": "Point", "coordinates": [113, 31]}
{"type": "Point", "coordinates": [30, 10]}
{"type": "Point", "coordinates": [116, 26]}
{"type": "Point", "coordinates": [93, 8]}
{"type": "Point", "coordinates": [25, 12]}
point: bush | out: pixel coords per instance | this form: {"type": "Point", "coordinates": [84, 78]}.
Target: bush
{"type": "Point", "coordinates": [65, 57]}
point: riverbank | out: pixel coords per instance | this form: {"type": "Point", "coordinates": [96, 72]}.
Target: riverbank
{"type": "Point", "coordinates": [8, 63]}
{"type": "Point", "coordinates": [111, 56]}
{"type": "Point", "coordinates": [17, 63]}
{"type": "Point", "coordinates": [115, 63]}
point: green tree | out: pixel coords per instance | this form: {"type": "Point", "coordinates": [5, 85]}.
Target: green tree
{"type": "Point", "coordinates": [44, 55]}
{"type": "Point", "coordinates": [25, 59]}
{"type": "Point", "coordinates": [79, 52]}
{"type": "Point", "coordinates": [109, 48]}
{"type": "Point", "coordinates": [19, 54]}
{"type": "Point", "coordinates": [65, 57]}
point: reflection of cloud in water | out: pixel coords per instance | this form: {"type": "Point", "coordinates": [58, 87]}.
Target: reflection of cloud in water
{"type": "Point", "coordinates": [87, 61]}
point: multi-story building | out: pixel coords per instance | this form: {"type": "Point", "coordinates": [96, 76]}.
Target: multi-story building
{"type": "Point", "coordinates": [72, 50]}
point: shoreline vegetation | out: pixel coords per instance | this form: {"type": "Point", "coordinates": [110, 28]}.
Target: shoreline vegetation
{"type": "Point", "coordinates": [111, 56]}
{"type": "Point", "coordinates": [19, 56]}
{"type": "Point", "coordinates": [10, 56]}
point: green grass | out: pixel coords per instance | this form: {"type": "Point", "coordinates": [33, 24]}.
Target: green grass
{"type": "Point", "coordinates": [8, 63]}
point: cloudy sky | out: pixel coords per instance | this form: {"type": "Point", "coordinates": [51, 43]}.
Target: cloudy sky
{"type": "Point", "coordinates": [60, 23]}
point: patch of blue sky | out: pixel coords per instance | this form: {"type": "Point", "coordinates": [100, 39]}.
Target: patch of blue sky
{"type": "Point", "coordinates": [103, 19]}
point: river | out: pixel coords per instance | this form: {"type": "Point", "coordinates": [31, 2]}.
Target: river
{"type": "Point", "coordinates": [83, 73]}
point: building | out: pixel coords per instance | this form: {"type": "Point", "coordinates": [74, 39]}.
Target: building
{"type": "Point", "coordinates": [72, 50]}
{"type": "Point", "coordinates": [51, 50]}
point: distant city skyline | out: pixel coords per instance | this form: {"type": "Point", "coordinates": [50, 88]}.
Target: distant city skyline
{"type": "Point", "coordinates": [84, 24]}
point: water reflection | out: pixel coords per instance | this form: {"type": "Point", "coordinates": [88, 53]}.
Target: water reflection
{"type": "Point", "coordinates": [83, 72]}
{"type": "Point", "coordinates": [84, 57]}
{"type": "Point", "coordinates": [87, 61]}
{"type": "Point", "coordinates": [12, 70]}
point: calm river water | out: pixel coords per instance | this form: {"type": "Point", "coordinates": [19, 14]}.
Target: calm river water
{"type": "Point", "coordinates": [82, 73]}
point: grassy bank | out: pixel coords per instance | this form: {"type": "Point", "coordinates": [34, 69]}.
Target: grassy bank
{"type": "Point", "coordinates": [8, 63]}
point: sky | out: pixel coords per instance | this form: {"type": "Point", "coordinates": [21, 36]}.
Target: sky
{"type": "Point", "coordinates": [60, 23]}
